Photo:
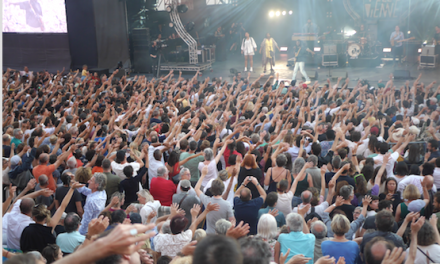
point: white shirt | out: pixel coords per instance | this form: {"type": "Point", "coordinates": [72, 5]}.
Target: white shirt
{"type": "Point", "coordinates": [118, 168]}
{"type": "Point", "coordinates": [319, 209]}
{"type": "Point", "coordinates": [231, 194]}
{"type": "Point", "coordinates": [432, 250]}
{"type": "Point", "coordinates": [436, 176]}
{"type": "Point", "coordinates": [390, 165]}
{"type": "Point", "coordinates": [284, 203]}
{"type": "Point", "coordinates": [212, 171]}
{"type": "Point", "coordinates": [153, 164]}
{"type": "Point", "coordinates": [13, 225]}
{"type": "Point", "coordinates": [147, 209]}
{"type": "Point", "coordinates": [415, 180]}
{"type": "Point", "coordinates": [170, 245]}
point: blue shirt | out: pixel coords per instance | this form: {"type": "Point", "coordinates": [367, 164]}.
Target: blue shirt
{"type": "Point", "coordinates": [69, 241]}
{"type": "Point", "coordinates": [299, 243]}
{"type": "Point", "coordinates": [397, 36]}
{"type": "Point", "coordinates": [349, 250]}
{"type": "Point", "coordinates": [248, 212]}
{"type": "Point", "coordinates": [95, 203]}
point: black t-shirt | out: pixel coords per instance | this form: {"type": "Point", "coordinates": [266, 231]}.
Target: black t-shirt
{"type": "Point", "coordinates": [348, 210]}
{"type": "Point", "coordinates": [36, 237]}
{"type": "Point", "coordinates": [61, 192]}
{"type": "Point", "coordinates": [252, 172]}
{"type": "Point", "coordinates": [322, 137]}
{"type": "Point", "coordinates": [302, 55]}
{"type": "Point", "coordinates": [153, 50]}
{"type": "Point", "coordinates": [130, 186]}
{"type": "Point", "coordinates": [6, 151]}
{"type": "Point", "coordinates": [371, 224]}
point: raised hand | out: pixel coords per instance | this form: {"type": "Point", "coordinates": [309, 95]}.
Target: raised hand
{"type": "Point", "coordinates": [238, 231]}
{"type": "Point", "coordinates": [395, 256]}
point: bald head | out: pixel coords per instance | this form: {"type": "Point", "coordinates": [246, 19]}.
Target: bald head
{"type": "Point", "coordinates": [428, 181]}
{"type": "Point", "coordinates": [26, 206]}
{"type": "Point", "coordinates": [6, 139]}
{"type": "Point", "coordinates": [44, 158]}
{"type": "Point", "coordinates": [306, 196]}
{"type": "Point", "coordinates": [245, 195]}
{"type": "Point", "coordinates": [318, 229]}
{"type": "Point", "coordinates": [375, 250]}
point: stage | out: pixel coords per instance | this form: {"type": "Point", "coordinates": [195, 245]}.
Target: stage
{"type": "Point", "coordinates": [372, 74]}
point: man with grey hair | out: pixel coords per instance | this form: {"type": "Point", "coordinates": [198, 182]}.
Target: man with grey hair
{"type": "Point", "coordinates": [71, 165]}
{"type": "Point", "coordinates": [162, 188]}
{"type": "Point", "coordinates": [96, 198]}
{"type": "Point", "coordinates": [18, 136]}
{"type": "Point", "coordinates": [113, 180]}
{"type": "Point", "coordinates": [319, 230]}
{"type": "Point", "coordinates": [299, 240]}
{"type": "Point", "coordinates": [185, 174]}
{"type": "Point", "coordinates": [43, 182]}
{"type": "Point", "coordinates": [222, 226]}
{"type": "Point", "coordinates": [186, 199]}
{"type": "Point", "coordinates": [347, 193]}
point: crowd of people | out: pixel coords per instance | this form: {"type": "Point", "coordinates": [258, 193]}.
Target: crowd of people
{"type": "Point", "coordinates": [98, 169]}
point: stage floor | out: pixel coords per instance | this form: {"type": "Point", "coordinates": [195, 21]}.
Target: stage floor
{"type": "Point", "coordinates": [372, 74]}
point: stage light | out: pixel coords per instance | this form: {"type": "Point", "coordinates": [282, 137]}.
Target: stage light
{"type": "Point", "coordinates": [271, 13]}
{"type": "Point", "coordinates": [284, 13]}
{"type": "Point", "coordinates": [419, 50]}
{"type": "Point", "coordinates": [317, 49]}
{"type": "Point", "coordinates": [283, 48]}
{"type": "Point", "coordinates": [182, 8]}
{"type": "Point", "coordinates": [277, 13]}
{"type": "Point", "coordinates": [169, 8]}
{"type": "Point", "coordinates": [409, 32]}
{"type": "Point", "coordinates": [290, 12]}
{"type": "Point", "coordinates": [171, 24]}
{"type": "Point", "coordinates": [386, 50]}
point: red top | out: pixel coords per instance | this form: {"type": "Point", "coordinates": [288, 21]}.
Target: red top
{"type": "Point", "coordinates": [228, 153]}
{"type": "Point", "coordinates": [176, 170]}
{"type": "Point", "coordinates": [46, 170]}
{"type": "Point", "coordinates": [162, 190]}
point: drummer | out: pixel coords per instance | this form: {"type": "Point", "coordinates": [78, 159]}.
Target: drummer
{"type": "Point", "coordinates": [361, 33]}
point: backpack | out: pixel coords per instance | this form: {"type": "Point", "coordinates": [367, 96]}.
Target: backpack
{"type": "Point", "coordinates": [312, 215]}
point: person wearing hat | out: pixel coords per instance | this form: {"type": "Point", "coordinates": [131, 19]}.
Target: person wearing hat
{"type": "Point", "coordinates": [185, 199]}
{"type": "Point", "coordinates": [120, 163]}
{"type": "Point", "coordinates": [19, 164]}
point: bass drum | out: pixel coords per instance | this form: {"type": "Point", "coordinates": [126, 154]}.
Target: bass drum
{"type": "Point", "coordinates": [354, 50]}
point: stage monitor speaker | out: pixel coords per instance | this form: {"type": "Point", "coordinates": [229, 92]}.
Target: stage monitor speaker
{"type": "Point", "coordinates": [428, 50]}
{"type": "Point", "coordinates": [330, 49]}
{"type": "Point", "coordinates": [312, 74]}
{"type": "Point", "coordinates": [339, 74]}
{"type": "Point", "coordinates": [142, 62]}
{"type": "Point", "coordinates": [100, 71]}
{"type": "Point", "coordinates": [401, 74]}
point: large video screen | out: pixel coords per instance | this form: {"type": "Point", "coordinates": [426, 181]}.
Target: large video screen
{"type": "Point", "coordinates": [34, 16]}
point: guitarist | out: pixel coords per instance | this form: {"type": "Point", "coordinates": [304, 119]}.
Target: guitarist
{"type": "Point", "coordinates": [396, 39]}
{"type": "Point", "coordinates": [301, 50]}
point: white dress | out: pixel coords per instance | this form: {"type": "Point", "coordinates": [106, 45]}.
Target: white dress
{"type": "Point", "coordinates": [248, 46]}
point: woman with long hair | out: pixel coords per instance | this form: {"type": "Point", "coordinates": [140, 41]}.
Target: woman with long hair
{"type": "Point", "coordinates": [248, 168]}
{"type": "Point", "coordinates": [173, 164]}
{"type": "Point", "coordinates": [267, 50]}
{"type": "Point", "coordinates": [268, 232]}
{"type": "Point", "coordinates": [401, 171]}
{"type": "Point", "coordinates": [414, 157]}
{"type": "Point", "coordinates": [277, 173]}
{"type": "Point", "coordinates": [248, 49]}
{"type": "Point", "coordinates": [391, 193]}
{"type": "Point", "coordinates": [52, 253]}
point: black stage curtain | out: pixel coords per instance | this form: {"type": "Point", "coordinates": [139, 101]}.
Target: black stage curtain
{"type": "Point", "coordinates": [81, 31]}
{"type": "Point", "coordinates": [37, 51]}
{"type": "Point", "coordinates": [111, 33]}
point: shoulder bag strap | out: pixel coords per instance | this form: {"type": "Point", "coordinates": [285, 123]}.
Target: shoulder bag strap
{"type": "Point", "coordinates": [426, 255]}
{"type": "Point", "coordinates": [183, 199]}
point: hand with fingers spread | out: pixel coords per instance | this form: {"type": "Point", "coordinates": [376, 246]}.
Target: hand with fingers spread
{"type": "Point", "coordinates": [98, 225]}
{"type": "Point", "coordinates": [273, 212]}
{"type": "Point", "coordinates": [395, 256]}
{"type": "Point", "coordinates": [238, 231]}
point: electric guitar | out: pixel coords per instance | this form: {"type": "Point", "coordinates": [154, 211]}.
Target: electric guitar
{"type": "Point", "coordinates": [296, 55]}
{"type": "Point", "coordinates": [393, 42]}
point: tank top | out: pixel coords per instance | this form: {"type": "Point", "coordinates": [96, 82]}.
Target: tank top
{"type": "Point", "coordinates": [404, 211]}
{"type": "Point", "coordinates": [272, 183]}
{"type": "Point", "coordinates": [302, 186]}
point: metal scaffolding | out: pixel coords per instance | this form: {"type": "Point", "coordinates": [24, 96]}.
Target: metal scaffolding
{"type": "Point", "coordinates": [180, 29]}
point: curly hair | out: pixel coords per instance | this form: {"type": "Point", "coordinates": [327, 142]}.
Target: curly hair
{"type": "Point", "coordinates": [83, 175]}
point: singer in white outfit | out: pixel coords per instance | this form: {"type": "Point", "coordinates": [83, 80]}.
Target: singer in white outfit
{"type": "Point", "coordinates": [248, 48]}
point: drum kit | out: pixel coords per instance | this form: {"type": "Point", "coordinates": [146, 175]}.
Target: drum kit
{"type": "Point", "coordinates": [363, 46]}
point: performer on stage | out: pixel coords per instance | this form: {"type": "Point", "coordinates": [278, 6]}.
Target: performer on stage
{"type": "Point", "coordinates": [301, 50]}
{"type": "Point", "coordinates": [220, 44]}
{"type": "Point", "coordinates": [436, 41]}
{"type": "Point", "coordinates": [153, 55]}
{"type": "Point", "coordinates": [397, 37]}
{"type": "Point", "coordinates": [310, 27]}
{"type": "Point", "coordinates": [248, 46]}
{"type": "Point", "coordinates": [268, 46]}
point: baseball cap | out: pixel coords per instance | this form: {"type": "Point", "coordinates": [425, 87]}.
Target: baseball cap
{"type": "Point", "coordinates": [374, 130]}
{"type": "Point", "coordinates": [416, 206]}
{"type": "Point", "coordinates": [185, 184]}
{"type": "Point", "coordinates": [15, 160]}
{"type": "Point", "coordinates": [135, 218]}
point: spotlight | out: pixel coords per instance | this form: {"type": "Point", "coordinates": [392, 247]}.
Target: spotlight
{"type": "Point", "coordinates": [284, 13]}
{"type": "Point", "coordinates": [169, 8]}
{"type": "Point", "coordinates": [317, 49]}
{"type": "Point", "coordinates": [277, 13]}
{"type": "Point", "coordinates": [386, 50]}
{"type": "Point", "coordinates": [419, 50]}
{"type": "Point", "coordinates": [271, 13]}
{"type": "Point", "coordinates": [182, 8]}
{"type": "Point", "coordinates": [171, 24]}
{"type": "Point", "coordinates": [283, 48]}
{"type": "Point", "coordinates": [290, 12]}
{"type": "Point", "coordinates": [409, 32]}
